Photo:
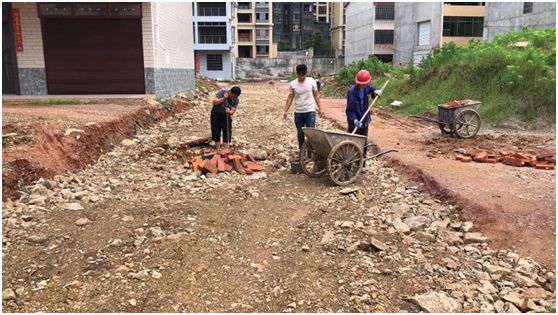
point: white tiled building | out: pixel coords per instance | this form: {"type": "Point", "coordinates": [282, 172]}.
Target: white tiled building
{"type": "Point", "coordinates": [214, 39]}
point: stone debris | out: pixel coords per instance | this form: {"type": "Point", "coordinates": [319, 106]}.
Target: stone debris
{"type": "Point", "coordinates": [282, 237]}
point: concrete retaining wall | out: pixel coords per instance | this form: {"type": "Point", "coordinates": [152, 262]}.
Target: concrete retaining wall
{"type": "Point", "coordinates": [269, 68]}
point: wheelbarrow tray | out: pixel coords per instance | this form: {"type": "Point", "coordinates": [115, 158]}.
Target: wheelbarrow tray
{"type": "Point", "coordinates": [446, 115]}
{"type": "Point", "coordinates": [322, 141]}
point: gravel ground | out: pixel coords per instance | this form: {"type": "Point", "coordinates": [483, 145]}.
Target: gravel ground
{"type": "Point", "coordinates": [139, 232]}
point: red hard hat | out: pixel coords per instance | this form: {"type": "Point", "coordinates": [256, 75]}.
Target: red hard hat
{"type": "Point", "coordinates": [362, 77]}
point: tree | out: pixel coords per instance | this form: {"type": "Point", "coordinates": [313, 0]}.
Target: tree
{"type": "Point", "coordinates": [283, 45]}
{"type": "Point", "coordinates": [318, 43]}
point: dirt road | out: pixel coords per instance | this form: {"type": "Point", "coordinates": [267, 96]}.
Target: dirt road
{"type": "Point", "coordinates": [138, 232]}
{"type": "Point", "coordinates": [515, 207]}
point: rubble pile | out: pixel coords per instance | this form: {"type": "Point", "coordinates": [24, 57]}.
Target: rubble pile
{"type": "Point", "coordinates": [225, 160]}
{"type": "Point", "coordinates": [455, 103]}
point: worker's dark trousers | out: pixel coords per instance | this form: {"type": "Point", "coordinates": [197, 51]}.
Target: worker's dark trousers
{"type": "Point", "coordinates": [304, 120]}
{"type": "Point", "coordinates": [360, 131]}
{"type": "Point", "coordinates": [219, 124]}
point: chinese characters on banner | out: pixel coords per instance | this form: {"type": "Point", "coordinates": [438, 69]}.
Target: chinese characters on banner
{"type": "Point", "coordinates": [16, 21]}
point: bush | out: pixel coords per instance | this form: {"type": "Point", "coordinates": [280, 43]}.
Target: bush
{"type": "Point", "coordinates": [508, 80]}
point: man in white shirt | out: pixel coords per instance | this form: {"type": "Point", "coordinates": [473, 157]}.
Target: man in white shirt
{"type": "Point", "coordinates": [304, 91]}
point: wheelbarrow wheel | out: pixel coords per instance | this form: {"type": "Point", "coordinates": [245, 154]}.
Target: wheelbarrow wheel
{"type": "Point", "coordinates": [311, 164]}
{"type": "Point", "coordinates": [344, 162]}
{"type": "Point", "coordinates": [466, 124]}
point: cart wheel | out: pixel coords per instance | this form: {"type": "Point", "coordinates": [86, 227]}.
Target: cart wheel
{"type": "Point", "coordinates": [444, 128]}
{"type": "Point", "coordinates": [345, 162]}
{"type": "Point", "coordinates": [312, 165]}
{"type": "Point", "coordinates": [466, 124]}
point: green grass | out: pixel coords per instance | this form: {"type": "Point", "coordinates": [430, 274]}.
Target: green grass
{"type": "Point", "coordinates": [53, 102]}
{"type": "Point", "coordinates": [510, 82]}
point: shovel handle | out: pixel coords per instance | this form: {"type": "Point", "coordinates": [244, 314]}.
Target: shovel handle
{"type": "Point", "coordinates": [370, 107]}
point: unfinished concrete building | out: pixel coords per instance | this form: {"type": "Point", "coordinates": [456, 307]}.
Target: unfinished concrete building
{"type": "Point", "coordinates": [369, 30]}
{"type": "Point", "coordinates": [503, 17]}
{"type": "Point", "coordinates": [421, 27]}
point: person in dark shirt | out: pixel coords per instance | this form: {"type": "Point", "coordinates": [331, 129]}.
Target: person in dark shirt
{"type": "Point", "coordinates": [357, 103]}
{"type": "Point", "coordinates": [224, 106]}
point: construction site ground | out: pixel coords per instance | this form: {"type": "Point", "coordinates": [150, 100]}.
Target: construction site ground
{"type": "Point", "coordinates": [136, 230]}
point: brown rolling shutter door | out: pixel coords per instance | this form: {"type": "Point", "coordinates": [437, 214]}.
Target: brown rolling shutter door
{"type": "Point", "coordinates": [93, 56]}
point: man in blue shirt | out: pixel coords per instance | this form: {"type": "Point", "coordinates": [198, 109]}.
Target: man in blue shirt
{"type": "Point", "coordinates": [224, 106]}
{"type": "Point", "coordinates": [357, 103]}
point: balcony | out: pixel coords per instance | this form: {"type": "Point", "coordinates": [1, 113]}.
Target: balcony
{"type": "Point", "coordinates": [212, 9]}
{"type": "Point", "coordinates": [244, 18]}
{"type": "Point", "coordinates": [212, 39]}
{"type": "Point", "coordinates": [244, 36]}
{"type": "Point", "coordinates": [262, 5]}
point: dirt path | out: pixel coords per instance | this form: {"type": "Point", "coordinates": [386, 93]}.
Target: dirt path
{"type": "Point", "coordinates": [515, 207]}
{"type": "Point", "coordinates": [138, 232]}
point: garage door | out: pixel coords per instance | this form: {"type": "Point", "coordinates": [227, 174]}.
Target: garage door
{"type": "Point", "coordinates": [93, 56]}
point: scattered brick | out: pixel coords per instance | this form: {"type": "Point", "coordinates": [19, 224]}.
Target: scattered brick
{"type": "Point", "coordinates": [466, 159]}
{"type": "Point", "coordinates": [221, 165]}
{"type": "Point", "coordinates": [211, 166]}
{"type": "Point", "coordinates": [490, 160]}
{"type": "Point", "coordinates": [224, 152]}
{"type": "Point", "coordinates": [513, 161]}
{"type": "Point", "coordinates": [255, 167]}
{"type": "Point", "coordinates": [481, 156]}
{"type": "Point", "coordinates": [544, 167]}
{"type": "Point", "coordinates": [238, 166]}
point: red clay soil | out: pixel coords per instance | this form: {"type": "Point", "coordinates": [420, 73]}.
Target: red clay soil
{"type": "Point", "coordinates": [51, 152]}
{"type": "Point", "coordinates": [514, 206]}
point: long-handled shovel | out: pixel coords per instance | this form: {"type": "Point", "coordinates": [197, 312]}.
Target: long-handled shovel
{"type": "Point", "coordinates": [370, 107]}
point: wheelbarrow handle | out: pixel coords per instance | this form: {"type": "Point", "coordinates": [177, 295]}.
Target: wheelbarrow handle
{"type": "Point", "coordinates": [381, 153]}
{"type": "Point", "coordinates": [370, 107]}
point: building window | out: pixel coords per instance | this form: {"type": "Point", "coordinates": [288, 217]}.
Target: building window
{"type": "Point", "coordinates": [215, 62]}
{"type": "Point", "coordinates": [212, 32]}
{"type": "Point", "coordinates": [244, 18]}
{"type": "Point", "coordinates": [244, 35]}
{"type": "Point", "coordinates": [262, 50]}
{"type": "Point", "coordinates": [424, 33]}
{"type": "Point", "coordinates": [383, 37]}
{"type": "Point", "coordinates": [245, 51]}
{"type": "Point", "coordinates": [262, 34]}
{"type": "Point", "coordinates": [262, 17]}
{"type": "Point", "coordinates": [527, 7]}
{"type": "Point", "coordinates": [212, 9]}
{"type": "Point", "coordinates": [244, 5]}
{"type": "Point", "coordinates": [463, 26]}
{"type": "Point", "coordinates": [385, 11]}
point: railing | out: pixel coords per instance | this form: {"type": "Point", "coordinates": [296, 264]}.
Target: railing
{"type": "Point", "coordinates": [245, 38]}
{"type": "Point", "coordinates": [262, 5]}
{"type": "Point", "coordinates": [212, 11]}
{"type": "Point", "coordinates": [262, 21]}
{"type": "Point", "coordinates": [212, 39]}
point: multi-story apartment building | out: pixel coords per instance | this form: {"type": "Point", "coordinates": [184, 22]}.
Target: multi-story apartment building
{"type": "Point", "coordinates": [214, 39]}
{"type": "Point", "coordinates": [322, 13]}
{"type": "Point", "coordinates": [254, 29]}
{"type": "Point", "coordinates": [295, 22]}
{"type": "Point", "coordinates": [337, 28]}
{"type": "Point", "coordinates": [369, 30]}
{"type": "Point", "coordinates": [422, 27]}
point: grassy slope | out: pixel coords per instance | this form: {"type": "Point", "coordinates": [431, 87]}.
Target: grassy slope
{"type": "Point", "coordinates": [511, 82]}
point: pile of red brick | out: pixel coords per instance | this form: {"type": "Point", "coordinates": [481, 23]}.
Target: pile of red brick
{"type": "Point", "coordinates": [225, 160]}
{"type": "Point", "coordinates": [508, 158]}
{"type": "Point", "coordinates": [453, 104]}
